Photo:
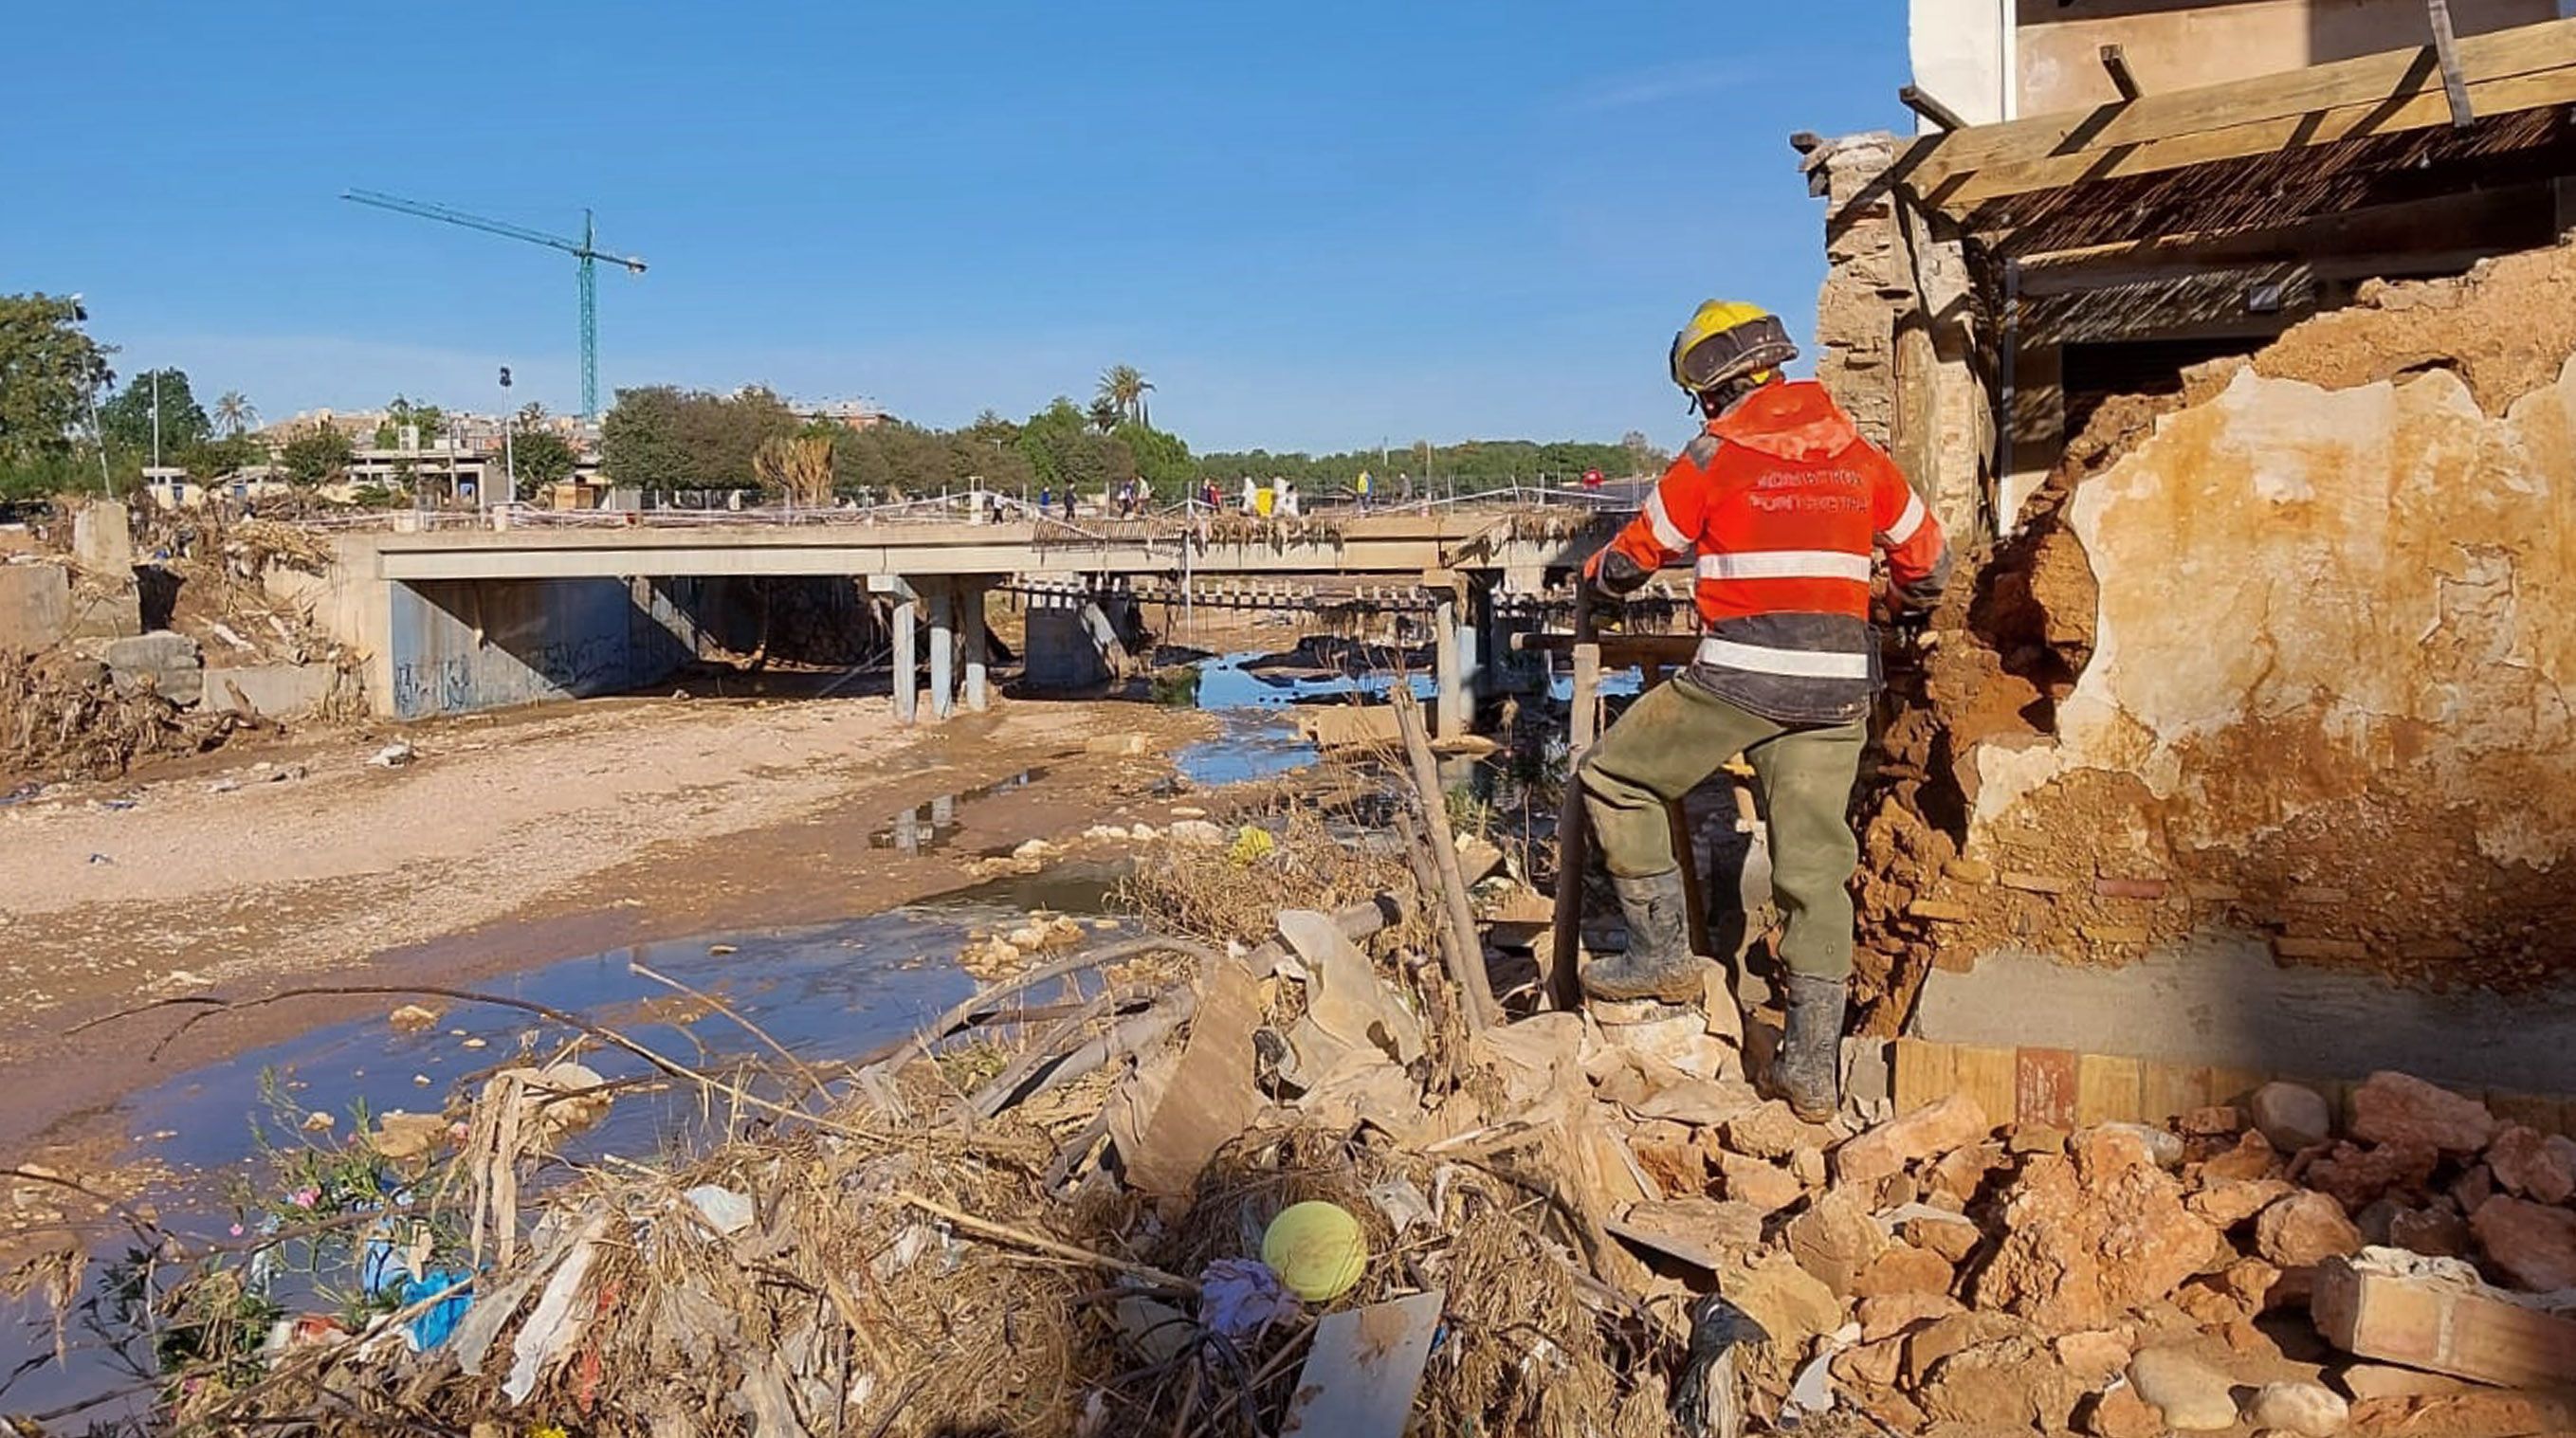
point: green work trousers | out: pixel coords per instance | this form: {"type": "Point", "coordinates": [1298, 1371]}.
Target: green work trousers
{"type": "Point", "coordinates": [1671, 740]}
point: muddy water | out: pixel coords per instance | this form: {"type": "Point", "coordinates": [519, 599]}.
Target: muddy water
{"type": "Point", "coordinates": [1261, 739]}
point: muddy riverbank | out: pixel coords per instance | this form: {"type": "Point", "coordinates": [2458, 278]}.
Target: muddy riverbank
{"type": "Point", "coordinates": [500, 845]}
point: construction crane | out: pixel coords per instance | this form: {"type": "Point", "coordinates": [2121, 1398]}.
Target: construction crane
{"type": "Point", "coordinates": [585, 251]}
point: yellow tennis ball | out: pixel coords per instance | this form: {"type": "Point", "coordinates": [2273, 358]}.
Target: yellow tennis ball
{"type": "Point", "coordinates": [1317, 1249]}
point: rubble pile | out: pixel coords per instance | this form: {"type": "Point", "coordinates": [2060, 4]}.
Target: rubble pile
{"type": "Point", "coordinates": [2281, 653]}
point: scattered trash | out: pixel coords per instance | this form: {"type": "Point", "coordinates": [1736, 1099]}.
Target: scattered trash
{"type": "Point", "coordinates": [392, 756]}
{"type": "Point", "coordinates": [413, 1019]}
{"type": "Point", "coordinates": [1241, 1297]}
{"type": "Point", "coordinates": [726, 1211]}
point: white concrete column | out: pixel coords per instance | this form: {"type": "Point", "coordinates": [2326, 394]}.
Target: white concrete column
{"type": "Point", "coordinates": [1451, 701]}
{"type": "Point", "coordinates": [977, 644]}
{"type": "Point", "coordinates": [907, 661]}
{"type": "Point", "coordinates": [943, 649]}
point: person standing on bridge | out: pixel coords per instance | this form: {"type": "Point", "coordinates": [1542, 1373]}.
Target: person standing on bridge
{"type": "Point", "coordinates": [1784, 503]}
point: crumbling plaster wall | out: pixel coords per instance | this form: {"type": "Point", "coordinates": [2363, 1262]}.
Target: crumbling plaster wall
{"type": "Point", "coordinates": [2335, 654]}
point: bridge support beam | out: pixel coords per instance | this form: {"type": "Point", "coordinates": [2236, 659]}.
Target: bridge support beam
{"type": "Point", "coordinates": [1450, 708]}
{"type": "Point", "coordinates": [907, 660]}
{"type": "Point", "coordinates": [943, 648]}
{"type": "Point", "coordinates": [978, 645]}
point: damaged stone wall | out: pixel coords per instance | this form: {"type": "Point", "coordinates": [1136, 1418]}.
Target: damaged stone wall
{"type": "Point", "coordinates": [2294, 652]}
{"type": "Point", "coordinates": [1895, 329]}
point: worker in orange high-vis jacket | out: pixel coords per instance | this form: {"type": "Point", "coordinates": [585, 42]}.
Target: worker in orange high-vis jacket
{"type": "Point", "coordinates": [1784, 503]}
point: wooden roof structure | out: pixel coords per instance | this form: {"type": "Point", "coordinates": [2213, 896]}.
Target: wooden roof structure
{"type": "Point", "coordinates": [2274, 152]}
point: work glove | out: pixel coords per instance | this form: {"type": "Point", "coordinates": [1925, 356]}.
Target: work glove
{"type": "Point", "coordinates": [1602, 593]}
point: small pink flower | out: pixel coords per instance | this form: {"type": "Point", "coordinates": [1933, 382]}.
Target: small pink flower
{"type": "Point", "coordinates": [237, 1230]}
{"type": "Point", "coordinates": [305, 1197]}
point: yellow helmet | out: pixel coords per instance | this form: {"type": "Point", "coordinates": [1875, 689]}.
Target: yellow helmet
{"type": "Point", "coordinates": [1729, 339]}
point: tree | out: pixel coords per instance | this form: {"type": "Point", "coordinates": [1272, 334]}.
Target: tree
{"type": "Point", "coordinates": [796, 467]}
{"type": "Point", "coordinates": [317, 453]}
{"type": "Point", "coordinates": [1105, 415]}
{"type": "Point", "coordinates": [1161, 459]}
{"type": "Point", "coordinates": [663, 438]}
{"type": "Point", "coordinates": [1125, 387]}
{"type": "Point", "coordinates": [49, 371]}
{"type": "Point", "coordinates": [541, 457]}
{"type": "Point", "coordinates": [532, 415]}
{"type": "Point", "coordinates": [639, 439]}
{"type": "Point", "coordinates": [235, 414]}
{"type": "Point", "coordinates": [125, 418]}
{"type": "Point", "coordinates": [427, 420]}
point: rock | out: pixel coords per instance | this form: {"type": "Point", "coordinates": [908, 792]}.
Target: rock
{"type": "Point", "coordinates": [1117, 745]}
{"type": "Point", "coordinates": [2473, 1188]}
{"type": "Point", "coordinates": [1953, 1241]}
{"type": "Point", "coordinates": [1903, 1268]}
{"type": "Point", "coordinates": [1871, 1365]}
{"type": "Point", "coordinates": [1789, 1302]}
{"type": "Point", "coordinates": [2377, 1380]}
{"type": "Point", "coordinates": [1808, 1164]}
{"type": "Point", "coordinates": [2393, 1107]}
{"type": "Point", "coordinates": [1196, 833]}
{"type": "Point", "coordinates": [2359, 1177]}
{"type": "Point", "coordinates": [1701, 1103]}
{"type": "Point", "coordinates": [1962, 1173]}
{"type": "Point", "coordinates": [2034, 1137]}
{"type": "Point", "coordinates": [319, 1120]}
{"type": "Point", "coordinates": [2435, 1230]}
{"type": "Point", "coordinates": [2305, 1229]}
{"type": "Point", "coordinates": [1837, 1240]}
{"type": "Point", "coordinates": [2229, 1202]}
{"type": "Point", "coordinates": [2536, 1166]}
{"type": "Point", "coordinates": [2249, 1281]}
{"type": "Point", "coordinates": [2093, 1355]}
{"type": "Point", "coordinates": [2532, 1244]}
{"type": "Point", "coordinates": [2309, 1409]}
{"type": "Point", "coordinates": [1681, 1042]}
{"type": "Point", "coordinates": [2191, 1395]}
{"type": "Point", "coordinates": [1887, 1315]}
{"type": "Point", "coordinates": [393, 756]}
{"type": "Point", "coordinates": [1928, 1345]}
{"type": "Point", "coordinates": [2291, 1116]}
{"type": "Point", "coordinates": [2164, 1147]}
{"type": "Point", "coordinates": [413, 1019]}
{"type": "Point", "coordinates": [1772, 1131]}
{"type": "Point", "coordinates": [2093, 1234]}
{"type": "Point", "coordinates": [1767, 1187]}
{"type": "Point", "coordinates": [1701, 1230]}
{"type": "Point", "coordinates": [2253, 1157]}
{"type": "Point", "coordinates": [2121, 1413]}
{"type": "Point", "coordinates": [403, 1137]}
{"type": "Point", "coordinates": [1947, 1123]}
{"type": "Point", "coordinates": [2223, 1120]}
{"type": "Point", "coordinates": [2014, 1383]}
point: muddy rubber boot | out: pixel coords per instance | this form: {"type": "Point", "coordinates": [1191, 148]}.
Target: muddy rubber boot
{"type": "Point", "coordinates": [1659, 963]}
{"type": "Point", "coordinates": [1807, 1068]}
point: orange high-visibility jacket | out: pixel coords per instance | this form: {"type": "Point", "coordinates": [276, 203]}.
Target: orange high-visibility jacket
{"type": "Point", "coordinates": [1784, 503]}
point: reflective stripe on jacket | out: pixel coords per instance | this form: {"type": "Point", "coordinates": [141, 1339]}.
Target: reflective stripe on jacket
{"type": "Point", "coordinates": [1784, 503]}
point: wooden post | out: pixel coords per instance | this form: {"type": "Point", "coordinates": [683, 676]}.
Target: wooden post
{"type": "Point", "coordinates": [907, 660]}
{"type": "Point", "coordinates": [1478, 1000]}
{"type": "Point", "coordinates": [943, 649]}
{"type": "Point", "coordinates": [978, 644]}
{"type": "Point", "coordinates": [1561, 980]}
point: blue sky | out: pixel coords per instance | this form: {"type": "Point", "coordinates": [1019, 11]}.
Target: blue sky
{"type": "Point", "coordinates": [1311, 225]}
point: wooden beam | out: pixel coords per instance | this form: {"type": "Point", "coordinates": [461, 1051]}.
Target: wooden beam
{"type": "Point", "coordinates": [2381, 80]}
{"type": "Point", "coordinates": [2446, 48]}
{"type": "Point", "coordinates": [2116, 62]}
{"type": "Point", "coordinates": [2507, 218]}
{"type": "Point", "coordinates": [2423, 110]}
{"type": "Point", "coordinates": [1930, 109]}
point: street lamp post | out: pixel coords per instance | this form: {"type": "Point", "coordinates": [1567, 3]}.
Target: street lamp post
{"type": "Point", "coordinates": [509, 458]}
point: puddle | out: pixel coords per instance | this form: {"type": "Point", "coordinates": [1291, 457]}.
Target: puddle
{"type": "Point", "coordinates": [826, 993]}
{"type": "Point", "coordinates": [925, 827]}
{"type": "Point", "coordinates": [1260, 741]}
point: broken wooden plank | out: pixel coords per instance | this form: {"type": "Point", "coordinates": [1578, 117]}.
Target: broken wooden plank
{"type": "Point", "coordinates": [1360, 1377]}
{"type": "Point", "coordinates": [2446, 49]}
{"type": "Point", "coordinates": [2115, 63]}
{"type": "Point", "coordinates": [2447, 1325]}
{"type": "Point", "coordinates": [1921, 102]}
{"type": "Point", "coordinates": [2382, 81]}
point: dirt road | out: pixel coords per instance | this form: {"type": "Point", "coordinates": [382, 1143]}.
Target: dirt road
{"type": "Point", "coordinates": [504, 843]}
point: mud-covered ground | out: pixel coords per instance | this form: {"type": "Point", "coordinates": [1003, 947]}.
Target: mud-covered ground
{"type": "Point", "coordinates": [505, 842]}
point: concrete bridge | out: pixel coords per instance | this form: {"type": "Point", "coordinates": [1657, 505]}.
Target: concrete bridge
{"type": "Point", "coordinates": [457, 619]}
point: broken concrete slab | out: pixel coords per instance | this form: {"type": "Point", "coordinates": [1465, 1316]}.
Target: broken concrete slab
{"type": "Point", "coordinates": [169, 662]}
{"type": "Point", "coordinates": [35, 606]}
{"type": "Point", "coordinates": [272, 691]}
{"type": "Point", "coordinates": [103, 540]}
{"type": "Point", "coordinates": [2436, 1314]}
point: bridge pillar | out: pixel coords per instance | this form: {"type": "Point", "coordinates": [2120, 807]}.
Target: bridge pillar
{"type": "Point", "coordinates": [1450, 707]}
{"type": "Point", "coordinates": [977, 644]}
{"type": "Point", "coordinates": [907, 660]}
{"type": "Point", "coordinates": [943, 648]}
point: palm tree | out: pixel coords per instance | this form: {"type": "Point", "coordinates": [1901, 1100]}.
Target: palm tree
{"type": "Point", "coordinates": [532, 415]}
{"type": "Point", "coordinates": [1105, 414]}
{"type": "Point", "coordinates": [1125, 387]}
{"type": "Point", "coordinates": [235, 413]}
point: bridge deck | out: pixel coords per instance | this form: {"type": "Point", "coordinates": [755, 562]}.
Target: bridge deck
{"type": "Point", "coordinates": [1388, 544]}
